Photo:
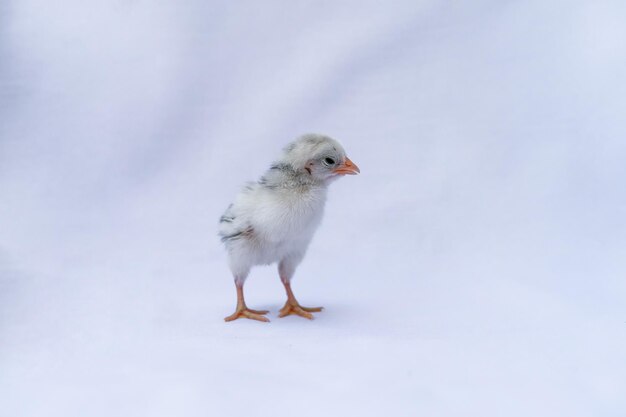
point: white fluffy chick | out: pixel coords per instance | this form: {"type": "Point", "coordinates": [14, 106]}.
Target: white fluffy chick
{"type": "Point", "coordinates": [274, 219]}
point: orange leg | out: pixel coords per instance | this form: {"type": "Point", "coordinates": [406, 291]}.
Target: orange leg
{"type": "Point", "coordinates": [243, 311]}
{"type": "Point", "coordinates": [293, 307]}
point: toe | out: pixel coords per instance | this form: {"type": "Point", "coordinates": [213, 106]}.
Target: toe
{"type": "Point", "coordinates": [250, 315]}
{"type": "Point", "coordinates": [300, 312]}
{"type": "Point", "coordinates": [297, 310]}
{"type": "Point", "coordinates": [285, 311]}
{"type": "Point", "coordinates": [258, 311]}
{"type": "Point", "coordinates": [232, 317]}
{"type": "Point", "coordinates": [312, 309]}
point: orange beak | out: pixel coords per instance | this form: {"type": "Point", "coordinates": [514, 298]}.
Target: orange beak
{"type": "Point", "coordinates": [347, 168]}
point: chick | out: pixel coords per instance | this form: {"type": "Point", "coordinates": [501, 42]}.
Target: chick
{"type": "Point", "coordinates": [274, 219]}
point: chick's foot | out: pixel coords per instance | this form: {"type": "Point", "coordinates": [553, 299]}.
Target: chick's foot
{"type": "Point", "coordinates": [295, 308]}
{"type": "Point", "coordinates": [248, 313]}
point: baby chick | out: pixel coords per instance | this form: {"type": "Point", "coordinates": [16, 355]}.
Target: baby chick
{"type": "Point", "coordinates": [274, 219]}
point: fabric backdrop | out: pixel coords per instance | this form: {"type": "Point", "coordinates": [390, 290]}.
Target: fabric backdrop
{"type": "Point", "coordinates": [474, 268]}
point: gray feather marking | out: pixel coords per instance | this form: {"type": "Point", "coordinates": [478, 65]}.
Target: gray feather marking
{"type": "Point", "coordinates": [281, 166]}
{"type": "Point", "coordinates": [246, 233]}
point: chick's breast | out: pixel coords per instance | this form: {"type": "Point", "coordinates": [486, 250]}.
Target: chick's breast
{"type": "Point", "coordinates": [284, 215]}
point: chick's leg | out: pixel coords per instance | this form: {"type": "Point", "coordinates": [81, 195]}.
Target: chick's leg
{"type": "Point", "coordinates": [286, 269]}
{"type": "Point", "coordinates": [242, 311]}
{"type": "Point", "coordinates": [293, 307]}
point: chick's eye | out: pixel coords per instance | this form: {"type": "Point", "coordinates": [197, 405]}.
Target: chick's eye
{"type": "Point", "coordinates": [329, 161]}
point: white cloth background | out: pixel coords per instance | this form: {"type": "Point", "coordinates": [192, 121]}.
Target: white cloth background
{"type": "Point", "coordinates": [475, 267]}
